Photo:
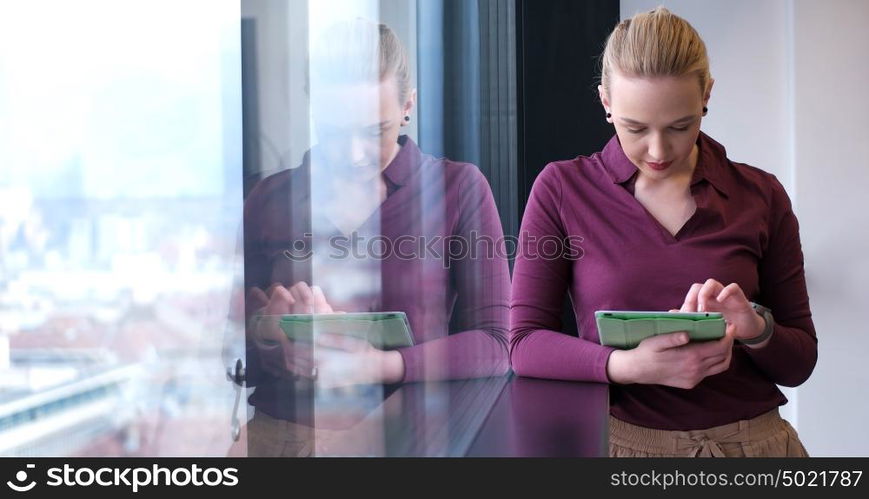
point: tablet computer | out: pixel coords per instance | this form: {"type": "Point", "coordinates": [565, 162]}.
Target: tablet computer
{"type": "Point", "coordinates": [627, 328]}
{"type": "Point", "coordinates": [384, 330]}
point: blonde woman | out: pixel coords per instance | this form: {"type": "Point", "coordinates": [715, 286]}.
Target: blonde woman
{"type": "Point", "coordinates": [667, 222]}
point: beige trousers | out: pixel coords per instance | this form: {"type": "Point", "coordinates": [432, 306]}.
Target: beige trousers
{"type": "Point", "coordinates": [767, 435]}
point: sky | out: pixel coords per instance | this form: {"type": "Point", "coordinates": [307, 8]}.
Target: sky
{"type": "Point", "coordinates": [104, 99]}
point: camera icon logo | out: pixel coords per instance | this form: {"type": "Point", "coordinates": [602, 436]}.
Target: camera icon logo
{"type": "Point", "coordinates": [20, 477]}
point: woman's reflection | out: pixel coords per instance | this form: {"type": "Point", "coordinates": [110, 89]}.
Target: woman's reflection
{"type": "Point", "coordinates": [367, 223]}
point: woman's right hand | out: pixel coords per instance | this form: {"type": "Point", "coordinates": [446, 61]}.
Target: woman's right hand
{"type": "Point", "coordinates": [280, 356]}
{"type": "Point", "coordinates": [670, 360]}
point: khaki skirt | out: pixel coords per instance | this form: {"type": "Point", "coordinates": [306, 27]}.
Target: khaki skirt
{"type": "Point", "coordinates": [767, 435]}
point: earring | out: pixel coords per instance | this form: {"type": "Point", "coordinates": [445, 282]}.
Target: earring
{"type": "Point", "coordinates": [705, 110]}
{"type": "Point", "coordinates": [609, 115]}
{"type": "Point", "coordinates": [407, 119]}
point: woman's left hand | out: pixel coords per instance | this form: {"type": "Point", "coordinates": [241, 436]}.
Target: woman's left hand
{"type": "Point", "coordinates": [712, 296]}
{"type": "Point", "coordinates": [345, 360]}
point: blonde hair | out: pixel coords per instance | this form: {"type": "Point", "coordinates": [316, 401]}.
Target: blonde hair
{"type": "Point", "coordinates": [358, 51]}
{"type": "Point", "coordinates": [653, 44]}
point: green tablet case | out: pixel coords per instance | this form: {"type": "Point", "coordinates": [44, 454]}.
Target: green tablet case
{"type": "Point", "coordinates": [626, 329]}
{"type": "Point", "coordinates": [384, 330]}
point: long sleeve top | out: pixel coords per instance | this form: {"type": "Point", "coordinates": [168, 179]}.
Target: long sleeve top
{"type": "Point", "coordinates": [439, 257]}
{"type": "Point", "coordinates": [609, 253]}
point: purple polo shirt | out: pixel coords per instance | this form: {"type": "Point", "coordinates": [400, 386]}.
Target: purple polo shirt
{"type": "Point", "coordinates": [619, 257]}
{"type": "Point", "coordinates": [457, 301]}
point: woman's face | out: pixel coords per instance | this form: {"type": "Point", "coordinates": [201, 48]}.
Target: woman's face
{"type": "Point", "coordinates": [657, 121]}
{"type": "Point", "coordinates": [357, 126]}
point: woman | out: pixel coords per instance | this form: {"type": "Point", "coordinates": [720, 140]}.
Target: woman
{"type": "Point", "coordinates": [667, 221]}
{"type": "Point", "coordinates": [365, 181]}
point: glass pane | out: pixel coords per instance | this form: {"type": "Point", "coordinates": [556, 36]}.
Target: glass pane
{"type": "Point", "coordinates": [120, 201]}
{"type": "Point", "coordinates": [175, 184]}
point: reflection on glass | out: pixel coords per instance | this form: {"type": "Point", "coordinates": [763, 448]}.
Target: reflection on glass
{"type": "Point", "coordinates": [370, 223]}
{"type": "Point", "coordinates": [118, 223]}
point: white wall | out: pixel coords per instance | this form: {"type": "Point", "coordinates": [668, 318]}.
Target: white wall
{"type": "Point", "coordinates": [790, 97]}
{"type": "Point", "coordinates": [282, 48]}
{"type": "Point", "coordinates": [832, 182]}
{"type": "Point", "coordinates": [283, 32]}
{"type": "Point", "coordinates": [400, 15]}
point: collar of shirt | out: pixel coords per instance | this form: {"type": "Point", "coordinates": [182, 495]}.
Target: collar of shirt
{"type": "Point", "coordinates": [712, 163]}
{"type": "Point", "coordinates": [400, 169]}
{"type": "Point", "coordinates": [397, 172]}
